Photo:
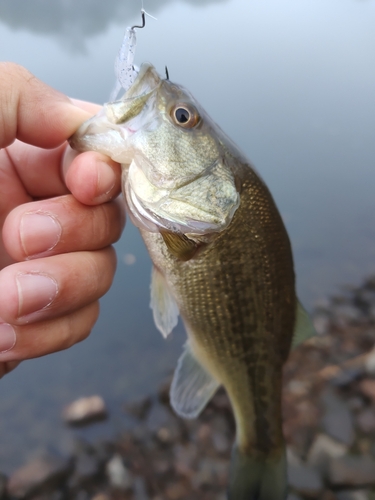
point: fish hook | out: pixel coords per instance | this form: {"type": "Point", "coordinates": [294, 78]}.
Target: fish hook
{"type": "Point", "coordinates": [143, 12]}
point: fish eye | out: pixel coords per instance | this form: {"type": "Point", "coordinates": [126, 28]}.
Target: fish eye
{"type": "Point", "coordinates": [185, 115]}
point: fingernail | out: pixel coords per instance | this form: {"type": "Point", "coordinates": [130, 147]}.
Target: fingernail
{"type": "Point", "coordinates": [106, 180]}
{"type": "Point", "coordinates": [40, 232]}
{"type": "Point", "coordinates": [7, 337]}
{"type": "Point", "coordinates": [35, 292]}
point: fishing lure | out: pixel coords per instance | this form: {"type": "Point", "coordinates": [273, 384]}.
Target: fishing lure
{"type": "Point", "coordinates": [125, 70]}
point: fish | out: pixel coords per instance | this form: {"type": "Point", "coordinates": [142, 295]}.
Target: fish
{"type": "Point", "coordinates": [222, 260]}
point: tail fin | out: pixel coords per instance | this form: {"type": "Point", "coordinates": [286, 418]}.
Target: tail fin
{"type": "Point", "coordinates": [254, 479]}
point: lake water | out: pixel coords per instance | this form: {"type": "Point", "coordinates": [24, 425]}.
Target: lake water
{"type": "Point", "coordinates": [291, 82]}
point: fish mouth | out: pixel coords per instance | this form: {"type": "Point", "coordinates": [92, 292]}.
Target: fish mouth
{"type": "Point", "coordinates": [109, 130]}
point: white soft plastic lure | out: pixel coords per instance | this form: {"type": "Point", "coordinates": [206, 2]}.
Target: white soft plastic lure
{"type": "Point", "coordinates": [125, 70]}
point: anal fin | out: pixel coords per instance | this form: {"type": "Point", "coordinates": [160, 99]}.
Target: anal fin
{"type": "Point", "coordinates": [192, 386]}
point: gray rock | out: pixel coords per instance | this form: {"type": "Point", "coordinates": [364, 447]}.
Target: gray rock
{"type": "Point", "coordinates": [293, 496]}
{"type": "Point", "coordinates": [321, 322]}
{"type": "Point", "coordinates": [366, 420]}
{"type": "Point", "coordinates": [322, 450]}
{"type": "Point", "coordinates": [55, 495]}
{"type": "Point", "coordinates": [84, 411]}
{"type": "Point", "coordinates": [118, 475]}
{"type": "Point", "coordinates": [370, 360]}
{"type": "Point", "coordinates": [3, 484]}
{"type": "Point", "coordinates": [304, 480]}
{"type": "Point", "coordinates": [367, 388]}
{"type": "Point", "coordinates": [139, 408]}
{"type": "Point", "coordinates": [140, 490]}
{"type": "Point", "coordinates": [346, 313]}
{"type": "Point", "coordinates": [337, 420]}
{"type": "Point", "coordinates": [87, 467]}
{"type": "Point", "coordinates": [352, 495]}
{"type": "Point", "coordinates": [352, 471]}
{"type": "Point", "coordinates": [43, 473]}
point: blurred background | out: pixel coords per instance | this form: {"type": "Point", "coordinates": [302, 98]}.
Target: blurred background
{"type": "Point", "coordinates": [291, 82]}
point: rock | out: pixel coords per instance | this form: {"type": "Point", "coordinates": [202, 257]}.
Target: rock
{"type": "Point", "coordinates": [175, 491]}
{"type": "Point", "coordinates": [346, 313]}
{"type": "Point", "coordinates": [304, 480]}
{"type": "Point", "coordinates": [3, 484]}
{"type": "Point", "coordinates": [292, 496]}
{"type": "Point", "coordinates": [352, 495]}
{"type": "Point", "coordinates": [55, 495]}
{"type": "Point", "coordinates": [370, 361]}
{"type": "Point", "coordinates": [367, 388]}
{"type": "Point", "coordinates": [337, 420]}
{"type": "Point", "coordinates": [139, 409]}
{"type": "Point", "coordinates": [84, 411]}
{"type": "Point", "coordinates": [352, 471]}
{"type": "Point", "coordinates": [140, 490]}
{"type": "Point", "coordinates": [118, 475]}
{"type": "Point", "coordinates": [366, 421]}
{"type": "Point", "coordinates": [321, 322]}
{"type": "Point", "coordinates": [347, 376]}
{"type": "Point", "coordinates": [322, 450]}
{"type": "Point", "coordinates": [210, 471]}
{"type": "Point", "coordinates": [42, 473]}
{"type": "Point", "coordinates": [87, 467]}
{"type": "Point", "coordinates": [185, 457]}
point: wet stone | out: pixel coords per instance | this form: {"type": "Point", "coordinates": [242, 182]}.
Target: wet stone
{"type": "Point", "coordinates": [55, 495]}
{"type": "Point", "coordinates": [352, 471]}
{"type": "Point", "coordinates": [3, 484]}
{"type": "Point", "coordinates": [304, 480]}
{"type": "Point", "coordinates": [293, 496]}
{"type": "Point", "coordinates": [353, 495]}
{"type": "Point", "coordinates": [140, 489]}
{"type": "Point", "coordinates": [42, 473]}
{"type": "Point", "coordinates": [321, 322]}
{"type": "Point", "coordinates": [101, 496]}
{"type": "Point", "coordinates": [140, 408]}
{"type": "Point", "coordinates": [366, 421]}
{"type": "Point", "coordinates": [322, 450]}
{"type": "Point", "coordinates": [337, 420]}
{"type": "Point", "coordinates": [85, 411]}
{"type": "Point", "coordinates": [118, 475]}
{"type": "Point", "coordinates": [87, 467]}
{"type": "Point", "coordinates": [367, 388]}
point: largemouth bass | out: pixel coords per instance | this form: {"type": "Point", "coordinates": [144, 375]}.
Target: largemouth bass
{"type": "Point", "coordinates": [222, 259]}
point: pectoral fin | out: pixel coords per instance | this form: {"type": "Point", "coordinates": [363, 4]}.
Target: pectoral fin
{"type": "Point", "coordinates": [163, 304]}
{"type": "Point", "coordinates": [179, 245]}
{"type": "Point", "coordinates": [304, 328]}
{"type": "Point", "coordinates": [192, 386]}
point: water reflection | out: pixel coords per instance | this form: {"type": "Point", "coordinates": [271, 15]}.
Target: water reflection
{"type": "Point", "coordinates": [74, 20]}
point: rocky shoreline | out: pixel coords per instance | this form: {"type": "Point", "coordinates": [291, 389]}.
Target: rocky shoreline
{"type": "Point", "coordinates": [329, 427]}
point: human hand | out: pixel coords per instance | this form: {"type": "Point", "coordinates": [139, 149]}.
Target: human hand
{"type": "Point", "coordinates": [58, 215]}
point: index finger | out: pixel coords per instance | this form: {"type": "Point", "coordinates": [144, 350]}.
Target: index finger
{"type": "Point", "coordinates": [34, 112]}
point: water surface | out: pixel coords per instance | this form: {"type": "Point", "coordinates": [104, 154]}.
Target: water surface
{"type": "Point", "coordinates": [291, 82]}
